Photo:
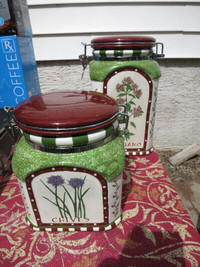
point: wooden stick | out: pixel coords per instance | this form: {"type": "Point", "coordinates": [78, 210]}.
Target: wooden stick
{"type": "Point", "coordinates": [185, 154]}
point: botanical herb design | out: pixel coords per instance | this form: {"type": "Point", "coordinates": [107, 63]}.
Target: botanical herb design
{"type": "Point", "coordinates": [61, 200]}
{"type": "Point", "coordinates": [128, 91]}
{"type": "Point", "coordinates": [116, 204]}
{"type": "Point", "coordinates": [152, 121]}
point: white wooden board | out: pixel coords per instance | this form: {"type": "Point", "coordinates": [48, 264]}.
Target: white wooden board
{"type": "Point", "coordinates": [60, 26]}
{"type": "Point", "coordinates": [70, 47]}
{"type": "Point", "coordinates": [45, 2]}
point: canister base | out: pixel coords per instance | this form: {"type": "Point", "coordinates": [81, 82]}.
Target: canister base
{"type": "Point", "coordinates": [138, 152]}
{"type": "Point", "coordinates": [80, 228]}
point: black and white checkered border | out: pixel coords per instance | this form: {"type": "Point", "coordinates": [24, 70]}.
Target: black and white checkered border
{"type": "Point", "coordinates": [138, 152]}
{"type": "Point", "coordinates": [79, 229]}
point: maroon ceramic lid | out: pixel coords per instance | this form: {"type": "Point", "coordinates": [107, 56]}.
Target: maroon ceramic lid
{"type": "Point", "coordinates": [123, 42]}
{"type": "Point", "coordinates": [65, 112]}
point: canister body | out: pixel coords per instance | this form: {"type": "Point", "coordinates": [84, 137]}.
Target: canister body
{"type": "Point", "coordinates": [131, 76]}
{"type": "Point", "coordinates": [71, 186]}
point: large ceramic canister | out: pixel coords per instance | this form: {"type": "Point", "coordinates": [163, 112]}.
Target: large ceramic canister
{"type": "Point", "coordinates": [123, 67]}
{"type": "Point", "coordinates": [69, 161]}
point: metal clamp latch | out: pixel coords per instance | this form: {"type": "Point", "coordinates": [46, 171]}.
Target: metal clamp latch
{"type": "Point", "coordinates": [84, 59]}
{"type": "Point", "coordinates": [157, 54]}
{"type": "Point", "coordinates": [124, 118]}
{"type": "Point", "coordinates": [11, 123]}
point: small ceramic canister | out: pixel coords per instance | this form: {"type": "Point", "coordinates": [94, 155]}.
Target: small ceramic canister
{"type": "Point", "coordinates": [123, 67]}
{"type": "Point", "coordinates": [70, 160]}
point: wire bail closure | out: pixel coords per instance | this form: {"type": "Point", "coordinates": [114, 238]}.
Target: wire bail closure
{"type": "Point", "coordinates": [124, 119]}
{"type": "Point", "coordinates": [11, 123]}
{"type": "Point", "coordinates": [157, 54]}
{"type": "Point", "coordinates": [84, 59]}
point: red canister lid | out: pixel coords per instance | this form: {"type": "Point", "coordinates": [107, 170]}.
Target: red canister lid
{"type": "Point", "coordinates": [65, 112]}
{"type": "Point", "coordinates": [120, 42]}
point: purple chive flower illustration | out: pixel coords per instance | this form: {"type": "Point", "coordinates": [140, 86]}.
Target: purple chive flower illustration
{"type": "Point", "coordinates": [128, 91]}
{"type": "Point", "coordinates": [61, 200]}
{"type": "Point", "coordinates": [76, 182]}
{"type": "Point", "coordinates": [78, 203]}
{"type": "Point", "coordinates": [55, 180]}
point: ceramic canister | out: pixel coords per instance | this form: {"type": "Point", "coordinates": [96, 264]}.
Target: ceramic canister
{"type": "Point", "coordinates": [69, 161]}
{"type": "Point", "coordinates": [123, 67]}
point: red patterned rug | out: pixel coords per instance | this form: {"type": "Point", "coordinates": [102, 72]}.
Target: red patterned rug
{"type": "Point", "coordinates": [156, 230]}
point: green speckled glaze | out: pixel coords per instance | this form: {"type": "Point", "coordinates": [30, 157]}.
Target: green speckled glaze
{"type": "Point", "coordinates": [108, 159]}
{"type": "Point", "coordinates": [99, 70]}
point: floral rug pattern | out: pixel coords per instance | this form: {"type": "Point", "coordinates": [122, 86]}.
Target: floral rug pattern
{"type": "Point", "coordinates": [156, 230]}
